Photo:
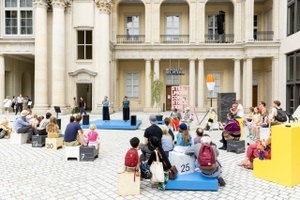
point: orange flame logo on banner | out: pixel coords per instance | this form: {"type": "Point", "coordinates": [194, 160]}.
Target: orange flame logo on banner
{"type": "Point", "coordinates": [210, 82]}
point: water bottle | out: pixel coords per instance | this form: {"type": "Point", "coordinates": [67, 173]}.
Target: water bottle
{"type": "Point", "coordinates": [261, 155]}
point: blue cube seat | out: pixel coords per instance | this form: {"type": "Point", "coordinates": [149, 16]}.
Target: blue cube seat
{"type": "Point", "coordinates": [193, 181]}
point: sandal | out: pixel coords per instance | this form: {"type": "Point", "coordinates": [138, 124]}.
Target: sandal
{"type": "Point", "coordinates": [243, 163]}
{"type": "Point", "coordinates": [249, 166]}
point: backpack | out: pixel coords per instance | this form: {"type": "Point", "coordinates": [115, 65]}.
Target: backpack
{"type": "Point", "coordinates": [131, 158]}
{"type": "Point", "coordinates": [281, 115]}
{"type": "Point", "coordinates": [206, 157]}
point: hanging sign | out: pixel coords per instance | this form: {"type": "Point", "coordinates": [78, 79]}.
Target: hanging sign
{"type": "Point", "coordinates": [174, 71]}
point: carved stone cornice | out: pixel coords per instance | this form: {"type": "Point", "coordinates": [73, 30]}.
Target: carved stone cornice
{"type": "Point", "coordinates": [41, 3]}
{"type": "Point", "coordinates": [60, 3]}
{"type": "Point", "coordinates": [83, 71]}
{"type": "Point", "coordinates": [105, 6]}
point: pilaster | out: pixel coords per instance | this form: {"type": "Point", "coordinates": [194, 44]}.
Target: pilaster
{"type": "Point", "coordinates": [249, 13]}
{"type": "Point", "coordinates": [201, 88]}
{"type": "Point", "coordinates": [201, 22]}
{"type": "Point", "coordinates": [248, 83]}
{"type": "Point", "coordinates": [155, 22]}
{"type": "Point", "coordinates": [192, 21]}
{"type": "Point", "coordinates": [192, 83]}
{"type": "Point", "coordinates": [156, 68]}
{"type": "Point", "coordinates": [238, 22]}
{"type": "Point", "coordinates": [276, 80]}
{"type": "Point", "coordinates": [237, 78]}
{"type": "Point", "coordinates": [2, 80]}
{"type": "Point", "coordinates": [148, 90]}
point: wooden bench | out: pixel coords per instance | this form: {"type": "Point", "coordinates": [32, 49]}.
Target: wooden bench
{"type": "Point", "coordinates": [126, 183]}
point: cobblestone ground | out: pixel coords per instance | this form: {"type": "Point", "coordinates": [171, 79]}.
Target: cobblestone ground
{"type": "Point", "coordinates": [37, 173]}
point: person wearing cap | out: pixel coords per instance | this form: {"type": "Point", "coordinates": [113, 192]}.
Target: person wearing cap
{"type": "Point", "coordinates": [152, 131]}
{"type": "Point", "coordinates": [126, 108]}
{"type": "Point", "coordinates": [183, 137]}
{"type": "Point", "coordinates": [216, 172]}
{"type": "Point", "coordinates": [23, 126]}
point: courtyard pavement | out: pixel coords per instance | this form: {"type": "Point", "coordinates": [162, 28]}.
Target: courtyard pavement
{"type": "Point", "coordinates": [37, 173]}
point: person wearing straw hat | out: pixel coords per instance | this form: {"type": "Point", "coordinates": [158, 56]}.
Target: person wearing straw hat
{"type": "Point", "coordinates": [23, 126]}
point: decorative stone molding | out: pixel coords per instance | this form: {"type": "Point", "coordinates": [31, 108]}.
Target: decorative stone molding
{"type": "Point", "coordinates": [60, 3]}
{"type": "Point", "coordinates": [41, 3]}
{"type": "Point", "coordinates": [83, 71]}
{"type": "Point", "coordinates": [105, 6]}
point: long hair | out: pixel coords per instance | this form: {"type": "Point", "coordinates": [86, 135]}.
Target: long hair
{"type": "Point", "coordinates": [185, 136]}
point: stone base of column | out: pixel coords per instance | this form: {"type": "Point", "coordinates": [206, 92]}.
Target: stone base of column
{"type": "Point", "coordinates": [40, 109]}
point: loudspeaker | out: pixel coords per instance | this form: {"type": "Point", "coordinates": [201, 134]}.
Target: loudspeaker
{"type": "Point", "coordinates": [133, 120]}
{"type": "Point", "coordinates": [58, 121]}
{"type": "Point", "coordinates": [85, 119]}
{"type": "Point", "coordinates": [225, 101]}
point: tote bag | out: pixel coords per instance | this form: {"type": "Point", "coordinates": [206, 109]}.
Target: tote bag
{"type": "Point", "coordinates": [157, 170]}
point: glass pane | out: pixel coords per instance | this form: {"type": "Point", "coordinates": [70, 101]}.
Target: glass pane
{"type": "Point", "coordinates": [14, 22]}
{"type": "Point", "coordinates": [29, 30]}
{"type": "Point", "coordinates": [8, 30]}
{"type": "Point", "coordinates": [80, 52]}
{"type": "Point", "coordinates": [23, 23]}
{"type": "Point", "coordinates": [298, 15]}
{"type": "Point", "coordinates": [298, 66]}
{"type": "Point", "coordinates": [14, 30]}
{"type": "Point", "coordinates": [89, 52]}
{"type": "Point", "coordinates": [23, 30]}
{"type": "Point", "coordinates": [22, 3]}
{"type": "Point", "coordinates": [80, 37]}
{"type": "Point", "coordinates": [89, 37]}
{"type": "Point", "coordinates": [290, 68]}
{"type": "Point", "coordinates": [291, 14]}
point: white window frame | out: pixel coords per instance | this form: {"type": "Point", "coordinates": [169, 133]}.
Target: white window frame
{"type": "Point", "coordinates": [172, 79]}
{"type": "Point", "coordinates": [176, 36]}
{"type": "Point", "coordinates": [132, 36]}
{"type": "Point", "coordinates": [214, 28]}
{"type": "Point", "coordinates": [84, 45]}
{"type": "Point", "coordinates": [129, 83]}
{"type": "Point", "coordinates": [217, 89]}
{"type": "Point", "coordinates": [255, 28]}
{"type": "Point", "coordinates": [18, 9]}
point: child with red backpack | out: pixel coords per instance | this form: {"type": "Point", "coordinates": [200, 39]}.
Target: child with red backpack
{"type": "Point", "coordinates": [132, 157]}
{"type": "Point", "coordinates": [206, 154]}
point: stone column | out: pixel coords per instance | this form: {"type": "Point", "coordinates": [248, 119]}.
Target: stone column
{"type": "Point", "coordinates": [41, 57]}
{"type": "Point", "coordinates": [275, 19]}
{"type": "Point", "coordinates": [148, 91]}
{"type": "Point", "coordinates": [102, 51]}
{"type": "Point", "coordinates": [148, 25]}
{"type": "Point", "coordinates": [248, 86]}
{"type": "Point", "coordinates": [238, 22]}
{"type": "Point", "coordinates": [237, 78]}
{"type": "Point", "coordinates": [249, 14]}
{"type": "Point", "coordinates": [276, 80]}
{"type": "Point", "coordinates": [156, 68]}
{"type": "Point", "coordinates": [244, 79]}
{"type": "Point", "coordinates": [156, 22]}
{"type": "Point", "coordinates": [58, 54]}
{"type": "Point", "coordinates": [201, 87]}
{"type": "Point", "coordinates": [192, 84]}
{"type": "Point", "coordinates": [192, 22]}
{"type": "Point", "coordinates": [201, 22]}
{"type": "Point", "coordinates": [2, 80]}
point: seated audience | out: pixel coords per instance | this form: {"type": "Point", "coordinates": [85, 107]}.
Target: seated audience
{"type": "Point", "coordinates": [73, 133]}
{"type": "Point", "coordinates": [232, 131]}
{"type": "Point", "coordinates": [52, 128]}
{"type": "Point", "coordinates": [256, 119]}
{"type": "Point", "coordinates": [168, 126]}
{"type": "Point", "coordinates": [212, 171]}
{"type": "Point", "coordinates": [92, 138]}
{"type": "Point", "coordinates": [43, 124]}
{"type": "Point", "coordinates": [175, 119]}
{"type": "Point", "coordinates": [132, 157]}
{"type": "Point", "coordinates": [212, 117]}
{"type": "Point", "coordinates": [199, 134]}
{"type": "Point", "coordinates": [166, 142]}
{"type": "Point", "coordinates": [5, 130]}
{"type": "Point", "coordinates": [154, 141]}
{"type": "Point", "coordinates": [183, 137]}
{"type": "Point", "coordinates": [261, 107]}
{"type": "Point", "coordinates": [23, 126]}
{"type": "Point", "coordinates": [264, 123]}
{"type": "Point", "coordinates": [187, 117]}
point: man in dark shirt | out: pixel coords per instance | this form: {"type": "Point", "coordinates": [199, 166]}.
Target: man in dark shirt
{"type": "Point", "coordinates": [152, 131]}
{"type": "Point", "coordinates": [72, 130]}
{"type": "Point", "coordinates": [82, 106]}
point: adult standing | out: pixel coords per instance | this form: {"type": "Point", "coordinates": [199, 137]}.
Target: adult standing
{"type": "Point", "coordinates": [19, 104]}
{"type": "Point", "coordinates": [73, 133]}
{"type": "Point", "coordinates": [105, 109]}
{"type": "Point", "coordinates": [23, 126]}
{"type": "Point", "coordinates": [6, 105]}
{"type": "Point", "coordinates": [82, 106]}
{"type": "Point", "coordinates": [13, 103]}
{"type": "Point", "coordinates": [75, 106]}
{"type": "Point", "coordinates": [152, 131]}
{"type": "Point", "coordinates": [126, 108]}
{"type": "Point", "coordinates": [240, 109]}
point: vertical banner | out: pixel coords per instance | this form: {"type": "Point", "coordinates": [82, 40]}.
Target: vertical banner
{"type": "Point", "coordinates": [180, 97]}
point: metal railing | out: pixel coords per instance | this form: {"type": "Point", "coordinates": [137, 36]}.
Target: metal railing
{"type": "Point", "coordinates": [264, 36]}
{"type": "Point", "coordinates": [174, 39]}
{"type": "Point", "coordinates": [216, 38]}
{"type": "Point", "coordinates": [130, 39]}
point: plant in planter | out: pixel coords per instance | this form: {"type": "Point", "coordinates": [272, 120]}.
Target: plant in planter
{"type": "Point", "coordinates": [156, 88]}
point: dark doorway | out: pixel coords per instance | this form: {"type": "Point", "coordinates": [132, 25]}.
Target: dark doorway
{"type": "Point", "coordinates": [254, 95]}
{"type": "Point", "coordinates": [84, 90]}
{"type": "Point", "coordinates": [169, 97]}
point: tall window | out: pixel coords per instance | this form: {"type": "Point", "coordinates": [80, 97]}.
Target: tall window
{"type": "Point", "coordinates": [293, 18]}
{"type": "Point", "coordinates": [212, 27]}
{"type": "Point", "coordinates": [132, 25]}
{"type": "Point", "coordinates": [84, 44]}
{"type": "Point", "coordinates": [173, 26]}
{"type": "Point", "coordinates": [255, 27]}
{"type": "Point", "coordinates": [217, 89]}
{"type": "Point", "coordinates": [133, 84]}
{"type": "Point", "coordinates": [18, 17]}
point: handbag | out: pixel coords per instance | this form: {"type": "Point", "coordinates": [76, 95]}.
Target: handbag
{"type": "Point", "coordinates": [157, 170]}
{"type": "Point", "coordinates": [172, 172]}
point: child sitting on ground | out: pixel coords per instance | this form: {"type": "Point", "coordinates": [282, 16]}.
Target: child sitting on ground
{"type": "Point", "coordinates": [92, 138]}
{"type": "Point", "coordinates": [132, 157]}
{"type": "Point", "coordinates": [199, 134]}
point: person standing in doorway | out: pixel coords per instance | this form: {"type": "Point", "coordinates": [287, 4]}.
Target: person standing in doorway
{"type": "Point", "coordinates": [75, 106]}
{"type": "Point", "coordinates": [105, 110]}
{"type": "Point", "coordinates": [82, 106]}
{"type": "Point", "coordinates": [126, 108]}
{"type": "Point", "coordinates": [19, 104]}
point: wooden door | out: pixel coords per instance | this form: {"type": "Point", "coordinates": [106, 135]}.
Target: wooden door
{"type": "Point", "coordinates": [168, 97]}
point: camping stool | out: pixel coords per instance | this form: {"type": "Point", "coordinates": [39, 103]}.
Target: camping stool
{"type": "Point", "coordinates": [18, 138]}
{"type": "Point", "coordinates": [237, 146]}
{"type": "Point", "coordinates": [72, 152]}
